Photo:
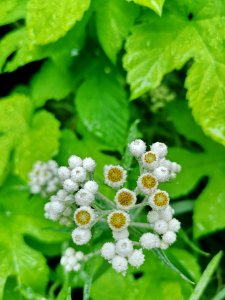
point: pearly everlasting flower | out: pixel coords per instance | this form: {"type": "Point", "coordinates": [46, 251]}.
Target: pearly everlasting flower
{"type": "Point", "coordinates": [147, 183]}
{"type": "Point", "coordinates": [84, 216]}
{"type": "Point", "coordinates": [78, 174]}
{"type": "Point", "coordinates": [149, 160]}
{"type": "Point", "coordinates": [108, 251]}
{"type": "Point", "coordinates": [162, 174]}
{"type": "Point", "coordinates": [160, 149]}
{"type": "Point", "coordinates": [122, 234]}
{"type": "Point", "coordinates": [124, 247]}
{"type": "Point", "coordinates": [119, 264]}
{"type": "Point", "coordinates": [174, 225]}
{"type": "Point", "coordinates": [91, 186]}
{"type": "Point", "coordinates": [71, 260]}
{"type": "Point", "coordinates": [81, 236]}
{"type": "Point", "coordinates": [163, 245]}
{"type": "Point", "coordinates": [153, 216]}
{"type": "Point", "coordinates": [166, 214]}
{"type": "Point", "coordinates": [89, 164]}
{"type": "Point", "coordinates": [137, 258]}
{"type": "Point", "coordinates": [64, 173]}
{"type": "Point", "coordinates": [159, 200]}
{"type": "Point", "coordinates": [84, 197]}
{"type": "Point", "coordinates": [169, 237]}
{"type": "Point", "coordinates": [125, 199]}
{"type": "Point", "coordinates": [149, 241]}
{"type": "Point", "coordinates": [44, 178]}
{"type": "Point", "coordinates": [115, 176]}
{"type": "Point", "coordinates": [137, 147]}
{"type": "Point", "coordinates": [160, 226]}
{"type": "Point", "coordinates": [75, 161]}
{"type": "Point", "coordinates": [70, 186]}
{"type": "Point", "coordinates": [118, 220]}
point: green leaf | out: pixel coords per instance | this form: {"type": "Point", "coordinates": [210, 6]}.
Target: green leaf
{"type": "Point", "coordinates": [207, 162]}
{"type": "Point", "coordinates": [40, 143]}
{"type": "Point", "coordinates": [48, 23]}
{"type": "Point", "coordinates": [155, 5]}
{"type": "Point", "coordinates": [102, 105]}
{"type": "Point", "coordinates": [21, 215]}
{"type": "Point", "coordinates": [50, 83]}
{"type": "Point", "coordinates": [206, 276]}
{"type": "Point", "coordinates": [114, 18]}
{"type": "Point", "coordinates": [155, 280]}
{"type": "Point", "coordinates": [187, 30]}
{"type": "Point", "coordinates": [12, 10]}
{"type": "Point", "coordinates": [220, 295]}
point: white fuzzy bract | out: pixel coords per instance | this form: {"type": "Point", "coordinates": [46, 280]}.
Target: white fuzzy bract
{"type": "Point", "coordinates": [137, 147]}
{"type": "Point", "coordinates": [84, 216]}
{"type": "Point", "coordinates": [119, 264]}
{"type": "Point", "coordinates": [84, 197]}
{"type": "Point", "coordinates": [89, 164]}
{"type": "Point", "coordinates": [75, 161]}
{"type": "Point", "coordinates": [149, 241]}
{"type": "Point", "coordinates": [169, 237]}
{"type": "Point", "coordinates": [137, 258]}
{"type": "Point", "coordinates": [108, 251]}
{"type": "Point", "coordinates": [118, 235]}
{"type": "Point", "coordinates": [160, 226]}
{"type": "Point", "coordinates": [160, 149]}
{"type": "Point", "coordinates": [91, 186]}
{"type": "Point", "coordinates": [81, 236]}
{"type": "Point", "coordinates": [78, 174]}
{"type": "Point", "coordinates": [162, 174]}
{"type": "Point", "coordinates": [71, 260]}
{"type": "Point", "coordinates": [124, 247]}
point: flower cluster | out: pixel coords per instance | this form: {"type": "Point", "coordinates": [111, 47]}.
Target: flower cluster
{"type": "Point", "coordinates": [43, 179]}
{"type": "Point", "coordinates": [79, 201]}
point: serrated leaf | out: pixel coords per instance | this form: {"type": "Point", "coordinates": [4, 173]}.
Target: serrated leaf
{"type": "Point", "coordinates": [21, 215]}
{"type": "Point", "coordinates": [50, 83]}
{"type": "Point", "coordinates": [210, 204]}
{"type": "Point", "coordinates": [155, 5]}
{"type": "Point", "coordinates": [187, 30]}
{"type": "Point", "coordinates": [114, 18]}
{"type": "Point", "coordinates": [40, 143]}
{"type": "Point", "coordinates": [12, 10]}
{"type": "Point", "coordinates": [48, 23]}
{"type": "Point", "coordinates": [102, 105]}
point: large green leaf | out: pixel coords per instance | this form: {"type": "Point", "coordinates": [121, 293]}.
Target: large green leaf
{"type": "Point", "coordinates": [21, 215]}
{"type": "Point", "coordinates": [12, 10]}
{"type": "Point", "coordinates": [57, 83]}
{"type": "Point", "coordinates": [46, 23]}
{"type": "Point", "coordinates": [102, 105]}
{"type": "Point", "coordinates": [210, 162]}
{"type": "Point", "coordinates": [155, 5]}
{"type": "Point", "coordinates": [187, 30]}
{"type": "Point", "coordinates": [156, 280]}
{"type": "Point", "coordinates": [32, 137]}
{"type": "Point", "coordinates": [114, 18]}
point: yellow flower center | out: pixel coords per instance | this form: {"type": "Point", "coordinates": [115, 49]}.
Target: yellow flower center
{"type": "Point", "coordinates": [149, 157]}
{"type": "Point", "coordinates": [118, 220]}
{"type": "Point", "coordinates": [148, 181]}
{"type": "Point", "coordinates": [83, 217]}
{"type": "Point", "coordinates": [125, 198]}
{"type": "Point", "coordinates": [161, 199]}
{"type": "Point", "coordinates": [115, 174]}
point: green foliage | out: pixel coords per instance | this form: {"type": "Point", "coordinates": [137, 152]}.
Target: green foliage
{"type": "Point", "coordinates": [185, 31]}
{"type": "Point", "coordinates": [155, 5]}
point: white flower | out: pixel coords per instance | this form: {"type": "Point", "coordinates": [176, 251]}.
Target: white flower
{"type": "Point", "coordinates": [64, 173]}
{"type": "Point", "coordinates": [160, 149]}
{"type": "Point", "coordinates": [84, 197]}
{"type": "Point", "coordinates": [118, 235]}
{"type": "Point", "coordinates": [174, 225]}
{"type": "Point", "coordinates": [91, 186]}
{"type": "Point", "coordinates": [137, 147]}
{"type": "Point", "coordinates": [84, 216]}
{"type": "Point", "coordinates": [124, 247]}
{"type": "Point", "coordinates": [137, 258]}
{"type": "Point", "coordinates": [115, 176]}
{"type": "Point", "coordinates": [176, 168]}
{"type": "Point", "coordinates": [169, 237]}
{"type": "Point", "coordinates": [119, 264]}
{"type": "Point", "coordinates": [125, 199]}
{"type": "Point", "coordinates": [166, 214]}
{"type": "Point", "coordinates": [149, 160]}
{"type": "Point", "coordinates": [69, 251]}
{"type": "Point", "coordinates": [159, 200]}
{"type": "Point", "coordinates": [81, 236]}
{"type": "Point", "coordinates": [147, 183]}
{"type": "Point", "coordinates": [149, 241]}
{"type": "Point", "coordinates": [152, 216]}
{"type": "Point", "coordinates": [108, 251]}
{"type": "Point", "coordinates": [75, 161]}
{"type": "Point", "coordinates": [162, 174]}
{"type": "Point", "coordinates": [161, 226]}
{"type": "Point", "coordinates": [61, 195]}
{"type": "Point", "coordinates": [118, 220]}
{"type": "Point", "coordinates": [70, 186]}
{"type": "Point", "coordinates": [71, 260]}
{"type": "Point", "coordinates": [89, 164]}
{"type": "Point", "coordinates": [163, 245]}
{"type": "Point", "coordinates": [78, 174]}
